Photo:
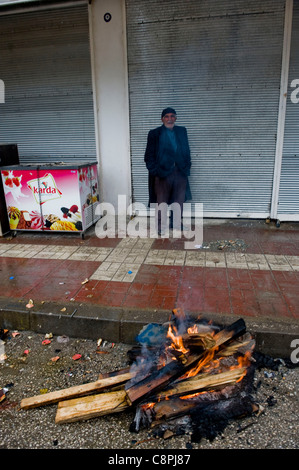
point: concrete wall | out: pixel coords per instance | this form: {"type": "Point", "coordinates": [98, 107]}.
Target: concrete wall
{"type": "Point", "coordinates": [110, 78]}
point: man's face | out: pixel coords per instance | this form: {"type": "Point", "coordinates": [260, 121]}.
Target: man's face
{"type": "Point", "coordinates": [169, 120]}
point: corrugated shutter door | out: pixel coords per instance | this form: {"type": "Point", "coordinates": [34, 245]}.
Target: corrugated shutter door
{"type": "Point", "coordinates": [45, 65]}
{"type": "Point", "coordinates": [288, 203]}
{"type": "Point", "coordinates": [218, 64]}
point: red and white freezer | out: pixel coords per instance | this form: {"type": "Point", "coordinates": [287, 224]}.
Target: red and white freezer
{"type": "Point", "coordinates": [54, 198]}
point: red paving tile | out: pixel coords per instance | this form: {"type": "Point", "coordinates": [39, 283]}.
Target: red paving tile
{"type": "Point", "coordinates": [154, 287]}
{"type": "Point", "coordinates": [292, 301]}
{"type": "Point", "coordinates": [241, 292]}
{"type": "Point", "coordinates": [195, 289]}
{"type": "Point", "coordinates": [161, 302]}
{"type": "Point", "coordinates": [102, 242]}
{"type": "Point", "coordinates": [253, 247]}
{"type": "Point", "coordinates": [273, 304]}
{"type": "Point", "coordinates": [87, 291]}
{"type": "Point", "coordinates": [263, 280]}
{"type": "Point", "coordinates": [45, 239]}
{"type": "Point", "coordinates": [139, 289]}
{"type": "Point", "coordinates": [216, 300]}
{"type": "Point", "coordinates": [192, 276]}
{"type": "Point", "coordinates": [191, 298]}
{"type": "Point", "coordinates": [72, 269]}
{"type": "Point", "coordinates": [244, 303]}
{"type": "Point", "coordinates": [215, 277]}
{"type": "Point", "coordinates": [26, 267]}
{"type": "Point", "coordinates": [103, 292]}
{"type": "Point", "coordinates": [137, 301]}
{"type": "Point", "coordinates": [118, 287]}
{"type": "Point", "coordinates": [112, 299]}
{"type": "Point", "coordinates": [18, 287]}
{"type": "Point", "coordinates": [286, 279]}
{"type": "Point", "coordinates": [148, 274]}
{"type": "Point", "coordinates": [54, 291]}
{"type": "Point", "coordinates": [239, 278]}
{"type": "Point", "coordinates": [169, 275]}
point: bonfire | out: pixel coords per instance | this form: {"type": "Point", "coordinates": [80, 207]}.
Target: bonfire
{"type": "Point", "coordinates": [194, 376]}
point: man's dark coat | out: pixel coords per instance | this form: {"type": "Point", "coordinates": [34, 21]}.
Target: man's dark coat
{"type": "Point", "coordinates": [161, 163]}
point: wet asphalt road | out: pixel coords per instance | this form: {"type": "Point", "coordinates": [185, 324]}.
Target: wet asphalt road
{"type": "Point", "coordinates": [28, 369]}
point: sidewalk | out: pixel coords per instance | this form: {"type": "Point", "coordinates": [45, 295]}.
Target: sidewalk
{"type": "Point", "coordinates": [110, 288]}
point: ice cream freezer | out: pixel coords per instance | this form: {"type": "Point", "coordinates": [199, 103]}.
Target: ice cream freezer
{"type": "Point", "coordinates": [51, 197]}
{"type": "Point", "coordinates": [9, 155]}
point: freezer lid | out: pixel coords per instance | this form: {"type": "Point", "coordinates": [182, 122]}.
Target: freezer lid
{"type": "Point", "coordinates": [48, 166]}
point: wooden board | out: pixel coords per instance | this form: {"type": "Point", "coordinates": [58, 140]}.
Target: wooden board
{"type": "Point", "coordinates": [76, 391]}
{"type": "Point", "coordinates": [159, 379]}
{"type": "Point", "coordinates": [91, 406]}
{"type": "Point", "coordinates": [204, 382]}
{"type": "Point", "coordinates": [114, 402]}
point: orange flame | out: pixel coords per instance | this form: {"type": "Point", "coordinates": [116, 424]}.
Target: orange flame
{"type": "Point", "coordinates": [177, 342]}
{"type": "Point", "coordinates": [148, 406]}
{"type": "Point", "coordinates": [192, 395]}
{"type": "Point", "coordinates": [192, 329]}
{"type": "Point", "coordinates": [208, 356]}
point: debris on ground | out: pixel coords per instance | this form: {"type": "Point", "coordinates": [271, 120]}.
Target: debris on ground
{"type": "Point", "coordinates": [226, 245]}
{"type": "Point", "coordinates": [4, 390]}
{"type": "Point", "coordinates": [63, 339]}
{"type": "Point", "coordinates": [272, 426]}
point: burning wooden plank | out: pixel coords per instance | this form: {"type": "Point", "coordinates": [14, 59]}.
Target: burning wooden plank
{"type": "Point", "coordinates": [162, 377]}
{"type": "Point", "coordinates": [158, 379]}
{"type": "Point", "coordinates": [203, 382]}
{"type": "Point", "coordinates": [188, 354]}
{"type": "Point", "coordinates": [180, 399]}
{"type": "Point", "coordinates": [241, 345]}
{"type": "Point", "coordinates": [150, 385]}
{"type": "Point", "coordinates": [115, 402]}
{"type": "Point", "coordinates": [198, 341]}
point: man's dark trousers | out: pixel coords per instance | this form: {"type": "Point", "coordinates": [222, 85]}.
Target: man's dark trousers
{"type": "Point", "coordinates": [170, 188]}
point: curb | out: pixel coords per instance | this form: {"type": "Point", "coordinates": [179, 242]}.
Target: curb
{"type": "Point", "coordinates": [273, 337]}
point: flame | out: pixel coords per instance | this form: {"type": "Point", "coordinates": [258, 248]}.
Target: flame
{"type": "Point", "coordinates": [148, 406]}
{"type": "Point", "coordinates": [177, 341]}
{"type": "Point", "coordinates": [243, 362]}
{"type": "Point", "coordinates": [208, 362]}
{"type": "Point", "coordinates": [193, 395]}
{"type": "Point", "coordinates": [208, 356]}
{"type": "Point", "coordinates": [192, 329]}
{"type": "Point", "coordinates": [211, 372]}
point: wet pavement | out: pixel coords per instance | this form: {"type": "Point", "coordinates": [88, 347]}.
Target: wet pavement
{"type": "Point", "coordinates": [91, 288]}
{"type": "Point", "coordinates": [111, 287]}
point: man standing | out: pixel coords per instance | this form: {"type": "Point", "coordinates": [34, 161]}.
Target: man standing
{"type": "Point", "coordinates": [167, 158]}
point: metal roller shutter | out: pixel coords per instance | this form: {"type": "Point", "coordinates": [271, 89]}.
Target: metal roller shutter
{"type": "Point", "coordinates": [45, 65]}
{"type": "Point", "coordinates": [218, 64]}
{"type": "Point", "coordinates": [288, 204]}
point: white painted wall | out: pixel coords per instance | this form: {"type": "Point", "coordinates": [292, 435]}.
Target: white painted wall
{"type": "Point", "coordinates": [110, 78]}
